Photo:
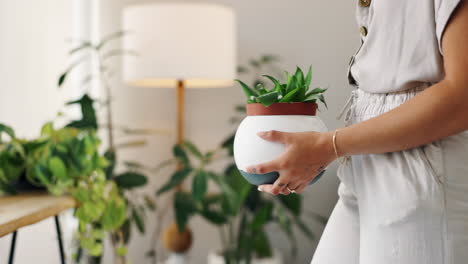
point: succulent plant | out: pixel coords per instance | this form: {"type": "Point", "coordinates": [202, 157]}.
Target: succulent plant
{"type": "Point", "coordinates": [296, 89]}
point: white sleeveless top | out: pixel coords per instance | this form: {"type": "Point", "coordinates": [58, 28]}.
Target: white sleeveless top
{"type": "Point", "coordinates": [401, 44]}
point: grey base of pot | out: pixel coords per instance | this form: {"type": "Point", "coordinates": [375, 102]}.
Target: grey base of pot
{"type": "Point", "coordinates": [269, 178]}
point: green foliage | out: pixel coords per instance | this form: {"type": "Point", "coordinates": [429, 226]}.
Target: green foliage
{"type": "Point", "coordinates": [295, 89]}
{"type": "Point", "coordinates": [130, 180]}
{"type": "Point", "coordinates": [125, 183]}
{"type": "Point", "coordinates": [236, 199]}
{"type": "Point", "coordinates": [67, 161]}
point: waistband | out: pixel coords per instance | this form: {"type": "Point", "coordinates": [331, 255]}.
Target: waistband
{"type": "Point", "coordinates": [365, 104]}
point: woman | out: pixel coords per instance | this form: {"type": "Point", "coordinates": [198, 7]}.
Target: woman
{"type": "Point", "coordinates": [404, 177]}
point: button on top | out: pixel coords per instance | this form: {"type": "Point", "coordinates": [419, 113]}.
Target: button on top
{"type": "Point", "coordinates": [363, 30]}
{"type": "Point", "coordinates": [365, 3]}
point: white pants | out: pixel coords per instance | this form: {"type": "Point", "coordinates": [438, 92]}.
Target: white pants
{"type": "Point", "coordinates": [407, 207]}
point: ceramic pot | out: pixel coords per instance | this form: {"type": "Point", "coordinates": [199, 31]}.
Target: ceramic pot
{"type": "Point", "coordinates": [250, 149]}
{"type": "Point", "coordinates": [214, 258]}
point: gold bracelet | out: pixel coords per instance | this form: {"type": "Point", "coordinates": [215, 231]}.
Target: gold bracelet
{"type": "Point", "coordinates": [336, 148]}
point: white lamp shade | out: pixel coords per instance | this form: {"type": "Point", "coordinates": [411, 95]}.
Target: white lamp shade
{"type": "Point", "coordinates": [193, 42]}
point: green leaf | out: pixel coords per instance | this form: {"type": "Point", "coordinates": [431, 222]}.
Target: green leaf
{"type": "Point", "coordinates": [125, 229]}
{"type": "Point", "coordinates": [214, 217]}
{"type": "Point", "coordinates": [57, 167]}
{"type": "Point", "coordinates": [129, 180]}
{"type": "Point", "coordinates": [299, 75]}
{"type": "Point", "coordinates": [292, 85]}
{"type": "Point", "coordinates": [8, 130]}
{"type": "Point", "coordinates": [121, 251]}
{"type": "Point", "coordinates": [149, 202]}
{"type": "Point", "coordinates": [269, 58]}
{"type": "Point", "coordinates": [261, 89]}
{"type": "Point", "coordinates": [47, 129]}
{"type": "Point", "coordinates": [228, 144]}
{"type": "Point", "coordinates": [322, 99]}
{"type": "Point", "coordinates": [276, 83]}
{"type": "Point", "coordinates": [249, 92]}
{"type": "Point", "coordinates": [242, 69]}
{"type": "Point", "coordinates": [82, 46]}
{"type": "Point", "coordinates": [308, 79]}
{"type": "Point", "coordinates": [316, 91]}
{"type": "Point", "coordinates": [180, 155]}
{"type": "Point", "coordinates": [193, 149]}
{"type": "Point", "coordinates": [288, 79]}
{"type": "Point", "coordinates": [199, 185]}
{"type": "Point", "coordinates": [262, 217]}
{"type": "Point", "coordinates": [293, 202]}
{"type": "Point", "coordinates": [177, 178]}
{"type": "Point", "coordinates": [254, 63]}
{"type": "Point", "coordinates": [110, 155]}
{"type": "Point", "coordinates": [62, 78]}
{"type": "Point", "coordinates": [139, 222]}
{"type": "Point", "coordinates": [290, 96]}
{"type": "Point", "coordinates": [268, 98]}
{"type": "Point", "coordinates": [262, 244]}
{"type": "Point", "coordinates": [184, 207]}
{"type": "Point", "coordinates": [88, 120]}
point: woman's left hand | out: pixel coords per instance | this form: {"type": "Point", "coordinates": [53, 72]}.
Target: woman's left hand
{"type": "Point", "coordinates": [307, 154]}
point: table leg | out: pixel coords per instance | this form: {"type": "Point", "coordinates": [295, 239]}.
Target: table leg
{"type": "Point", "coordinates": [59, 235]}
{"type": "Point", "coordinates": [12, 248]}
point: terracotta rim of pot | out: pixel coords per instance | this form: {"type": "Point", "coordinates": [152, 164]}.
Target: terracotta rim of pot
{"type": "Point", "coordinates": [257, 109]}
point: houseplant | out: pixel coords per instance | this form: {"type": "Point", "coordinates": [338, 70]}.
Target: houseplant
{"type": "Point", "coordinates": [132, 175]}
{"type": "Point", "coordinates": [67, 161]}
{"type": "Point", "coordinates": [287, 107]}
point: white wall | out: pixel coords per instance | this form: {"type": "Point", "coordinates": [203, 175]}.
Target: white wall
{"type": "Point", "coordinates": [302, 32]}
{"type": "Point", "coordinates": [33, 51]}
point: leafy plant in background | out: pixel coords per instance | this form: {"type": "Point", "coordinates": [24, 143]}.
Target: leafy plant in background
{"type": "Point", "coordinates": [240, 212]}
{"type": "Point", "coordinates": [66, 161]}
{"type": "Point", "coordinates": [134, 176]}
{"type": "Point", "coordinates": [295, 89]}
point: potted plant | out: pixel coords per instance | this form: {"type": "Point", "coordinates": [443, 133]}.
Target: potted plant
{"type": "Point", "coordinates": [67, 161]}
{"type": "Point", "coordinates": [287, 107]}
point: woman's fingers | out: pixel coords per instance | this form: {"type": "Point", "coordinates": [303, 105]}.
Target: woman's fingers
{"type": "Point", "coordinates": [265, 167]}
{"type": "Point", "coordinates": [281, 183]}
{"type": "Point", "coordinates": [301, 188]}
{"type": "Point", "coordinates": [275, 136]}
{"type": "Point", "coordinates": [265, 188]}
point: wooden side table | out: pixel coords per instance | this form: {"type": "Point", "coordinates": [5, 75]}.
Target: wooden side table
{"type": "Point", "coordinates": [26, 209]}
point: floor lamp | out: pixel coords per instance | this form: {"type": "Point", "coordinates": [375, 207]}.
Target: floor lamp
{"type": "Point", "coordinates": [180, 45]}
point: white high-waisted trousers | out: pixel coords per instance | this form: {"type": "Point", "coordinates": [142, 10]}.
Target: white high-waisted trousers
{"type": "Point", "coordinates": [407, 207]}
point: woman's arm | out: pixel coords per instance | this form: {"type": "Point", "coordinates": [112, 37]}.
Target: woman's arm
{"type": "Point", "coordinates": [437, 112]}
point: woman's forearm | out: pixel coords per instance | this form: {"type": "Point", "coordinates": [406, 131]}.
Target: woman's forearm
{"type": "Point", "coordinates": [437, 112]}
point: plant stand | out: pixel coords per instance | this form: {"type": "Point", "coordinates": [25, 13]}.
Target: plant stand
{"type": "Point", "coordinates": [26, 209]}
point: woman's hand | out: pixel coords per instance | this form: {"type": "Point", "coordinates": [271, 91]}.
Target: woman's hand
{"type": "Point", "coordinates": [307, 154]}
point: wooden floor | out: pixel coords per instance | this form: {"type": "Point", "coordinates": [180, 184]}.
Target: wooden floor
{"type": "Point", "coordinates": [26, 209]}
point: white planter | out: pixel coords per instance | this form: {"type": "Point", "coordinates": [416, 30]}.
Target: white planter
{"type": "Point", "coordinates": [214, 258]}
{"type": "Point", "coordinates": [250, 149]}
